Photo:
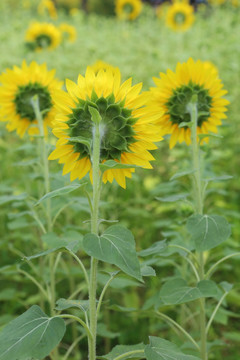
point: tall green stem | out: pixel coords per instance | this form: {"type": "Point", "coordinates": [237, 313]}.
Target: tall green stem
{"type": "Point", "coordinates": [199, 210]}
{"type": "Point", "coordinates": [94, 229]}
{"type": "Point", "coordinates": [38, 114]}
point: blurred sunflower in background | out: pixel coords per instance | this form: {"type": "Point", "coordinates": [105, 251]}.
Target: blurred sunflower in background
{"type": "Point", "coordinates": [128, 9]}
{"type": "Point", "coordinates": [69, 30]}
{"type": "Point", "coordinates": [18, 86]}
{"type": "Point", "coordinates": [41, 36]}
{"type": "Point", "coordinates": [208, 65]}
{"type": "Point", "coordinates": [49, 7]}
{"type": "Point", "coordinates": [174, 91]}
{"type": "Point", "coordinates": [102, 65]}
{"type": "Point", "coordinates": [125, 137]}
{"type": "Point", "coordinates": [180, 16]}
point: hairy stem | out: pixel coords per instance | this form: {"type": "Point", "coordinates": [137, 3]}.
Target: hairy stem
{"type": "Point", "coordinates": [199, 210]}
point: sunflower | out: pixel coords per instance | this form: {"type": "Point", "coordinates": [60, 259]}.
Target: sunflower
{"type": "Point", "coordinates": [128, 9]}
{"type": "Point", "coordinates": [43, 36]}
{"type": "Point", "coordinates": [169, 100]}
{"type": "Point", "coordinates": [180, 16]}
{"type": "Point", "coordinates": [125, 137]}
{"type": "Point", "coordinates": [69, 30]}
{"type": "Point", "coordinates": [102, 65]}
{"type": "Point", "coordinates": [49, 6]}
{"type": "Point", "coordinates": [208, 65]}
{"type": "Point", "coordinates": [18, 86]}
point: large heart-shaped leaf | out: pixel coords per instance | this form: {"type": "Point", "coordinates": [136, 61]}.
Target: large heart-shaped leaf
{"type": "Point", "coordinates": [115, 246]}
{"type": "Point", "coordinates": [130, 351]}
{"type": "Point", "coordinates": [160, 349]}
{"type": "Point", "coordinates": [177, 291]}
{"type": "Point", "coordinates": [32, 335]}
{"type": "Point", "coordinates": [208, 231]}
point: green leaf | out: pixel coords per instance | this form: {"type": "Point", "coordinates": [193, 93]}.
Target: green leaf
{"type": "Point", "coordinates": [120, 350]}
{"type": "Point", "coordinates": [172, 198]}
{"type": "Point", "coordinates": [73, 246]}
{"type": "Point", "coordinates": [32, 334]}
{"type": "Point", "coordinates": [155, 249]}
{"type": "Point", "coordinates": [181, 174]}
{"type": "Point", "coordinates": [96, 117]}
{"type": "Point", "coordinates": [183, 124]}
{"type": "Point", "coordinates": [176, 291]}
{"type": "Point", "coordinates": [9, 198]}
{"type": "Point", "coordinates": [63, 304]}
{"type": "Point", "coordinates": [147, 270]}
{"type": "Point", "coordinates": [115, 246]}
{"type": "Point", "coordinates": [219, 178]}
{"type": "Point", "coordinates": [81, 140]}
{"type": "Point", "coordinates": [62, 191]}
{"type": "Point", "coordinates": [202, 136]}
{"type": "Point", "coordinates": [208, 231]}
{"type": "Point", "coordinates": [160, 349]}
{"type": "Point", "coordinates": [111, 164]}
{"type": "Point", "coordinates": [105, 333]}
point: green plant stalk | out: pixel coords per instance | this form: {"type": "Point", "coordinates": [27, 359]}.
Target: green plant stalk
{"type": "Point", "coordinates": [52, 300]}
{"type": "Point", "coordinates": [199, 210]}
{"type": "Point", "coordinates": [94, 230]}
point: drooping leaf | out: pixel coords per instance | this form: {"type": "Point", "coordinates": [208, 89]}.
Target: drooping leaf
{"type": "Point", "coordinates": [147, 270]}
{"type": "Point", "coordinates": [62, 191]}
{"type": "Point", "coordinates": [160, 349]}
{"type": "Point", "coordinates": [115, 246]}
{"type": "Point", "coordinates": [72, 246]}
{"type": "Point", "coordinates": [120, 350]}
{"type": "Point", "coordinates": [219, 178]}
{"type": "Point", "coordinates": [63, 304]}
{"type": "Point", "coordinates": [155, 249]}
{"type": "Point", "coordinates": [9, 198]}
{"type": "Point", "coordinates": [208, 231]}
{"type": "Point", "coordinates": [172, 198]}
{"type": "Point", "coordinates": [177, 291]}
{"type": "Point", "coordinates": [105, 333]}
{"type": "Point", "coordinates": [33, 334]}
{"type": "Point", "coordinates": [181, 174]}
{"type": "Point", "coordinates": [111, 164]}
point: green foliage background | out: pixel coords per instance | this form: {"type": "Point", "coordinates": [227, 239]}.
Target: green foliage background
{"type": "Point", "coordinates": [141, 50]}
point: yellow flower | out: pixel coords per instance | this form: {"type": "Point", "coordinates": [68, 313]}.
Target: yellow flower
{"type": "Point", "coordinates": [125, 137]}
{"type": "Point", "coordinates": [74, 11]}
{"type": "Point", "coordinates": [69, 30]}
{"type": "Point", "coordinates": [161, 10]}
{"type": "Point", "coordinates": [49, 6]}
{"type": "Point", "coordinates": [43, 36]}
{"type": "Point", "coordinates": [128, 9]}
{"type": "Point", "coordinates": [235, 3]}
{"type": "Point", "coordinates": [208, 65]}
{"type": "Point", "coordinates": [174, 90]}
{"type": "Point", "coordinates": [18, 86]}
{"type": "Point", "coordinates": [180, 16]}
{"type": "Point", "coordinates": [102, 65]}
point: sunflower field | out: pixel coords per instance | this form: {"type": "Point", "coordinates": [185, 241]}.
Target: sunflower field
{"type": "Point", "coordinates": [119, 181]}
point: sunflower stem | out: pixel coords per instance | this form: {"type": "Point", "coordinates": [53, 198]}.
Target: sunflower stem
{"type": "Point", "coordinates": [197, 185]}
{"type": "Point", "coordinates": [38, 114]}
{"type": "Point", "coordinates": [94, 229]}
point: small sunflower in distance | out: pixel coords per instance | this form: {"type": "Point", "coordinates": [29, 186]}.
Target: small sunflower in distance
{"type": "Point", "coordinates": [180, 16]}
{"type": "Point", "coordinates": [173, 92]}
{"type": "Point", "coordinates": [41, 36]}
{"type": "Point", "coordinates": [128, 9]}
{"type": "Point", "coordinates": [49, 6]}
{"type": "Point", "coordinates": [102, 65]}
{"type": "Point", "coordinates": [69, 30]}
{"type": "Point", "coordinates": [125, 137]}
{"type": "Point", "coordinates": [18, 86]}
